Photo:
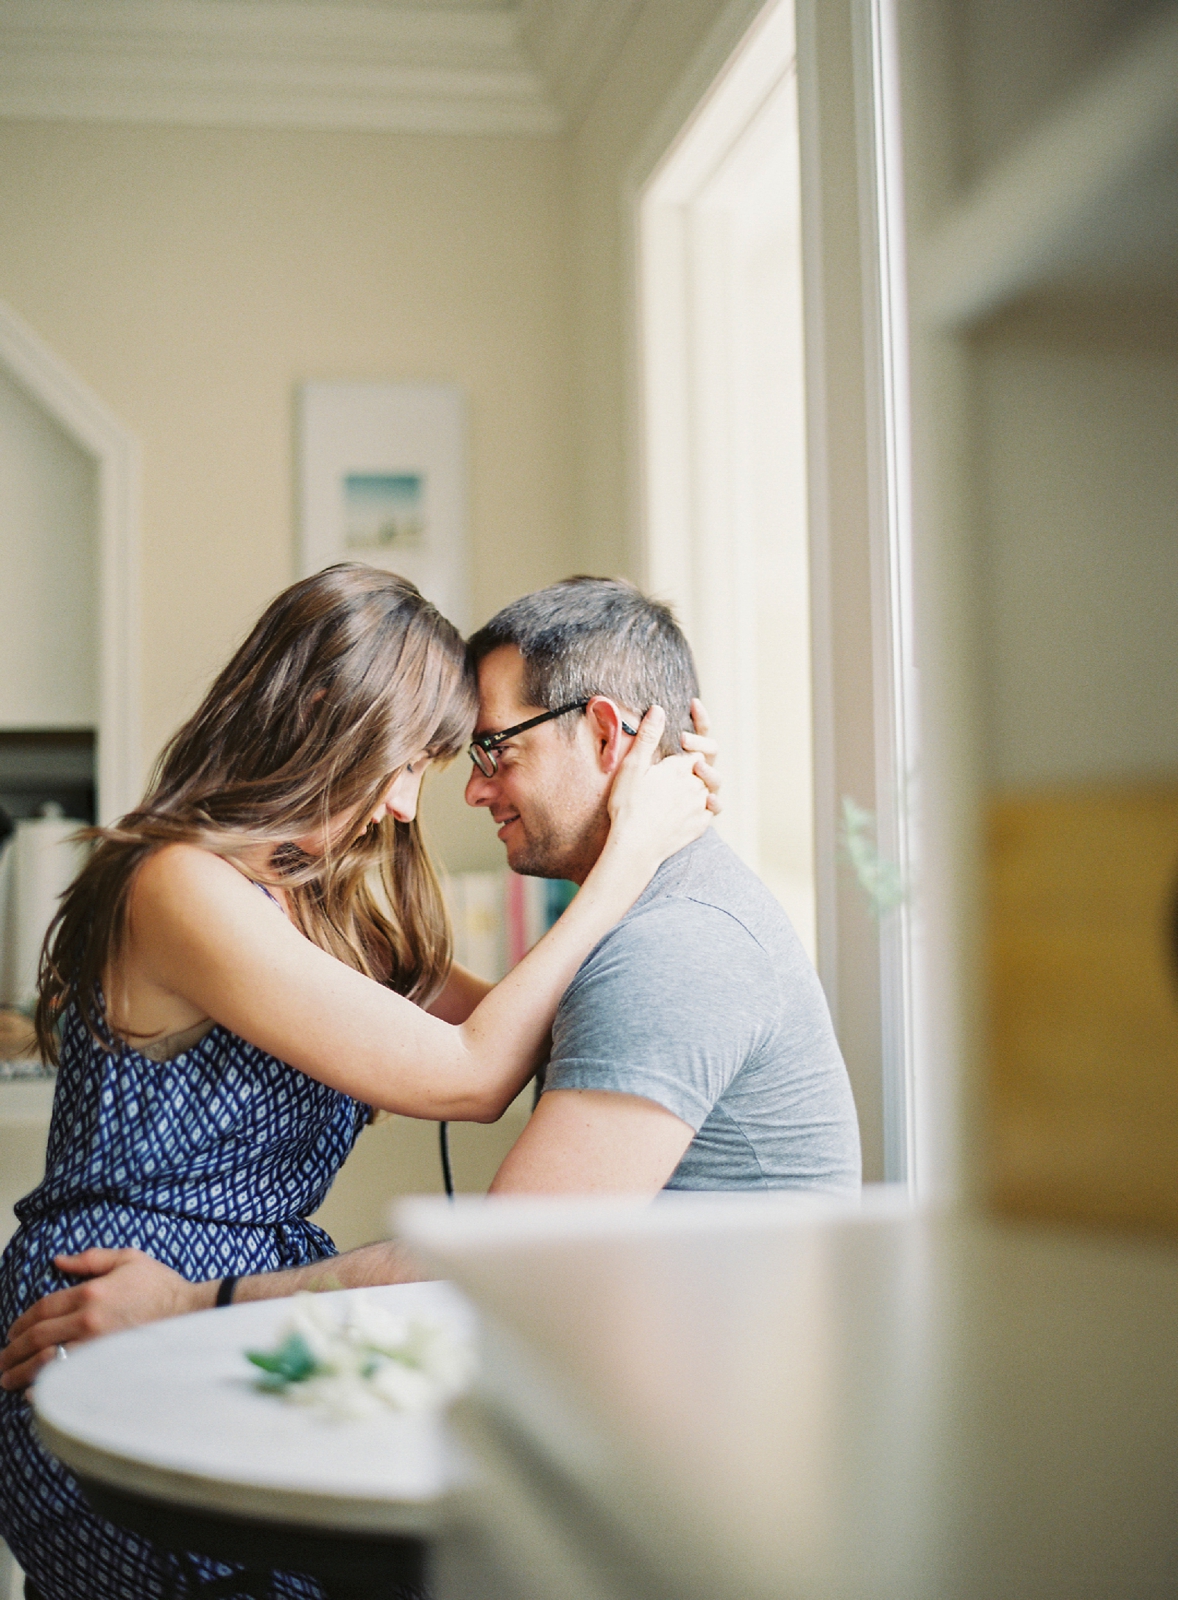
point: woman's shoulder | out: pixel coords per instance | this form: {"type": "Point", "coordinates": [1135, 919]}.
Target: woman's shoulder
{"type": "Point", "coordinates": [182, 897]}
{"type": "Point", "coordinates": [191, 916]}
{"type": "Point", "coordinates": [182, 870]}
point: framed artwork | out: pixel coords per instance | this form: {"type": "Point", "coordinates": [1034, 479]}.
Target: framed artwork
{"type": "Point", "coordinates": [382, 479]}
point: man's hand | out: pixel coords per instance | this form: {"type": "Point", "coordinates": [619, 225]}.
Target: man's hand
{"type": "Point", "coordinates": [124, 1288]}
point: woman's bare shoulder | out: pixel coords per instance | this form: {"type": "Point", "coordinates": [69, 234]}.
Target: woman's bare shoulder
{"type": "Point", "coordinates": [190, 912]}
{"type": "Point", "coordinates": [176, 892]}
{"type": "Point", "coordinates": [172, 877]}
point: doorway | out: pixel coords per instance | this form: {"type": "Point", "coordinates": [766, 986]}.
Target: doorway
{"type": "Point", "coordinates": [75, 662]}
{"type": "Point", "coordinates": [725, 502]}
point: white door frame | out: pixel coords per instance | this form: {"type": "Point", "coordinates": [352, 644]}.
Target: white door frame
{"type": "Point", "coordinates": [870, 958]}
{"type": "Point", "coordinates": [897, 754]}
{"type": "Point", "coordinates": [46, 379]}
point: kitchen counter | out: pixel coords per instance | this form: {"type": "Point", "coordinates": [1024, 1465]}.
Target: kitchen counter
{"type": "Point", "coordinates": [26, 1105]}
{"type": "Point", "coordinates": [748, 1400]}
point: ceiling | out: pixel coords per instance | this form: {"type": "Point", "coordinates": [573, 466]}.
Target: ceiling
{"type": "Point", "coordinates": [451, 66]}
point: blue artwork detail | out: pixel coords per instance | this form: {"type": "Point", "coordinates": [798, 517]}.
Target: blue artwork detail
{"type": "Point", "coordinates": [384, 510]}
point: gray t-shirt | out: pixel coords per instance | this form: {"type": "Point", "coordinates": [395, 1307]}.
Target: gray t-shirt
{"type": "Point", "coordinates": [703, 1000]}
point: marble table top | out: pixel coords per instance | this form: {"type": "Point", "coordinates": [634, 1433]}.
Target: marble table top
{"type": "Point", "coordinates": [170, 1411]}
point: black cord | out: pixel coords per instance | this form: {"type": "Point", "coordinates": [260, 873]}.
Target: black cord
{"type": "Point", "coordinates": [444, 1145]}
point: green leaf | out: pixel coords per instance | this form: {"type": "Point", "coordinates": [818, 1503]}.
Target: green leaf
{"type": "Point", "coordinates": [292, 1362]}
{"type": "Point", "coordinates": [261, 1358]}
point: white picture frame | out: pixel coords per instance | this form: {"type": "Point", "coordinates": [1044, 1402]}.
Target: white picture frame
{"type": "Point", "coordinates": [382, 479]}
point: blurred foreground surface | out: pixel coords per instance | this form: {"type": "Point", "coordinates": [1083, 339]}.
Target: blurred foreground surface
{"type": "Point", "coordinates": [753, 1399]}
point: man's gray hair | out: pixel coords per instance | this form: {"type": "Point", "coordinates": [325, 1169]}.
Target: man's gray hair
{"type": "Point", "coordinates": [589, 636]}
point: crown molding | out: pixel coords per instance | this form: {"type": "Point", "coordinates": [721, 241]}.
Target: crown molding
{"type": "Point", "coordinates": [574, 44]}
{"type": "Point", "coordinates": [274, 63]}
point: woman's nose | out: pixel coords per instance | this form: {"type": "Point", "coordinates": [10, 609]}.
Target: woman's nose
{"type": "Point", "coordinates": [401, 800]}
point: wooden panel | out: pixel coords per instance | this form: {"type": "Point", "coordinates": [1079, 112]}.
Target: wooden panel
{"type": "Point", "coordinates": [1084, 1006]}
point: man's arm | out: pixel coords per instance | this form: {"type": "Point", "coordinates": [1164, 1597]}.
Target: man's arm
{"type": "Point", "coordinates": [125, 1288]}
{"type": "Point", "coordinates": [655, 1025]}
{"type": "Point", "coordinates": [590, 1141]}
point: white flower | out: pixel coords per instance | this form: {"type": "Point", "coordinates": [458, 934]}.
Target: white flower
{"type": "Point", "coordinates": [365, 1358]}
{"type": "Point", "coordinates": [403, 1387]}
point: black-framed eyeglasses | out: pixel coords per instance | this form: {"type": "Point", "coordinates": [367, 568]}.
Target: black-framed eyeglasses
{"type": "Point", "coordinates": [484, 746]}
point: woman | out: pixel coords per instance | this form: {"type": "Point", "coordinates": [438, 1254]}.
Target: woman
{"type": "Point", "coordinates": [253, 960]}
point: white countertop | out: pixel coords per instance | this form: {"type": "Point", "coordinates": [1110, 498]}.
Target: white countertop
{"type": "Point", "coordinates": [745, 1401]}
{"type": "Point", "coordinates": [170, 1411]}
{"type": "Point", "coordinates": [26, 1100]}
{"type": "Point", "coordinates": [26, 1106]}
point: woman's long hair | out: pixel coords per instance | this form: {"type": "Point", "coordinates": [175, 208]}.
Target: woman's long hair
{"type": "Point", "coordinates": [346, 676]}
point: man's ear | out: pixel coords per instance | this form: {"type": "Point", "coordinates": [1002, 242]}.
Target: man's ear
{"type": "Point", "coordinates": [609, 729]}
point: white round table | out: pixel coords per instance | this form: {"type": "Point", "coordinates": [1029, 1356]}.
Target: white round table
{"type": "Point", "coordinates": [167, 1434]}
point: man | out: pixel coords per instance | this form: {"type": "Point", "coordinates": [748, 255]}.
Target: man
{"type": "Point", "coordinates": [693, 1050]}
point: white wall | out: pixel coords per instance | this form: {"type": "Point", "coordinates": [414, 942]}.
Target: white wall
{"type": "Point", "coordinates": [48, 533]}
{"type": "Point", "coordinates": [193, 277]}
{"type": "Point", "coordinates": [633, 118]}
{"type": "Point", "coordinates": [1081, 484]}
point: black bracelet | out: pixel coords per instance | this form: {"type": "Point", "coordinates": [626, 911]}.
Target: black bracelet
{"type": "Point", "coordinates": [225, 1290]}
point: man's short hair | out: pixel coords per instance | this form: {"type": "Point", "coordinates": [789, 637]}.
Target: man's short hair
{"type": "Point", "coordinates": [589, 636]}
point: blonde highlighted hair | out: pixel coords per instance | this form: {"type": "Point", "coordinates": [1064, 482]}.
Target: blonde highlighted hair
{"type": "Point", "coordinates": [344, 678]}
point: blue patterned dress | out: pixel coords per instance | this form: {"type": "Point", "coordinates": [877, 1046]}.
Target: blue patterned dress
{"type": "Point", "coordinates": [211, 1163]}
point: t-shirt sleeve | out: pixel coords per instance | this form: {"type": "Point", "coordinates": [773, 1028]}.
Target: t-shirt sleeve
{"type": "Point", "coordinates": [669, 1006]}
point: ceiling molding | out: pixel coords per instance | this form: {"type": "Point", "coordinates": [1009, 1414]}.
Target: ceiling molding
{"type": "Point", "coordinates": [276, 63]}
{"type": "Point", "coordinates": [574, 43]}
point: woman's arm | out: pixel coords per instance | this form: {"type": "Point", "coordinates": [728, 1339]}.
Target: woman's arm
{"type": "Point", "coordinates": [200, 932]}
{"type": "Point", "coordinates": [461, 993]}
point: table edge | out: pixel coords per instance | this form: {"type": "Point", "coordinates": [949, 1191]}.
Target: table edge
{"type": "Point", "coordinates": [192, 1491]}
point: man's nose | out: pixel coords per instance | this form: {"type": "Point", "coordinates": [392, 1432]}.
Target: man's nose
{"type": "Point", "coordinates": [479, 788]}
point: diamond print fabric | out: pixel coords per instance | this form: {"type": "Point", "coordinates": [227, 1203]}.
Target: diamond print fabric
{"type": "Point", "coordinates": [211, 1163]}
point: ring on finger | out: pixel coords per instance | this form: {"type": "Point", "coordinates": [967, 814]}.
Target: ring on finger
{"type": "Point", "coordinates": [60, 1353]}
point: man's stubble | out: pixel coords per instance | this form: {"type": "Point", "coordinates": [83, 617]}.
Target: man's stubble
{"type": "Point", "coordinates": [564, 849]}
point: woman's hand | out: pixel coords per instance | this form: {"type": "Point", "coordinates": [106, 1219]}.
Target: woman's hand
{"type": "Point", "coordinates": [699, 743]}
{"type": "Point", "coordinates": [124, 1289]}
{"type": "Point", "coordinates": [658, 807]}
